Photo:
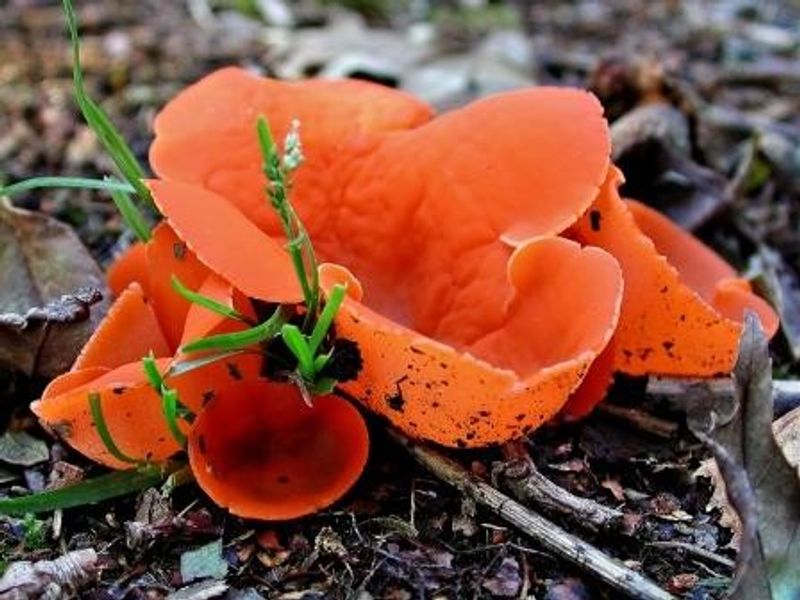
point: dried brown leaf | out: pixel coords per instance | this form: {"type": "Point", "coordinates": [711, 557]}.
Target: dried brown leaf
{"type": "Point", "coordinates": [651, 146]}
{"type": "Point", "coordinates": [761, 484]}
{"type": "Point", "coordinates": [59, 577]}
{"type": "Point", "coordinates": [781, 284]}
{"type": "Point", "coordinates": [48, 282]}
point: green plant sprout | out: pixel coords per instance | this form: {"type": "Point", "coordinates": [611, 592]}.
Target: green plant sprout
{"type": "Point", "coordinates": [112, 141]}
{"type": "Point", "coordinates": [98, 120]}
{"type": "Point", "coordinates": [278, 170]}
{"type": "Point", "coordinates": [304, 344]}
{"type": "Point", "coordinates": [240, 340]}
{"type": "Point", "coordinates": [170, 404]}
{"type": "Point", "coordinates": [206, 302]}
{"type": "Point", "coordinates": [84, 183]}
{"type": "Point", "coordinates": [34, 532]}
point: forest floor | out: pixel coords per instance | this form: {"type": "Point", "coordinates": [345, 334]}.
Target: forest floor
{"type": "Point", "coordinates": [728, 73]}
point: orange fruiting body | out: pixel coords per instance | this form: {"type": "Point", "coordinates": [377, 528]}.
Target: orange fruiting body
{"type": "Point", "coordinates": [494, 278]}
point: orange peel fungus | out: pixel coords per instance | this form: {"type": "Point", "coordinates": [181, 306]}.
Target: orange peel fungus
{"type": "Point", "coordinates": [233, 404]}
{"type": "Point", "coordinates": [494, 279]}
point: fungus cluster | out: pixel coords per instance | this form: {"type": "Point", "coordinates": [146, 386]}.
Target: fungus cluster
{"type": "Point", "coordinates": [494, 278]}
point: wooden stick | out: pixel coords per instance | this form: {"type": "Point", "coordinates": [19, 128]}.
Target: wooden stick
{"type": "Point", "coordinates": [527, 484]}
{"type": "Point", "coordinates": [640, 419]}
{"type": "Point", "coordinates": [546, 533]}
{"type": "Point", "coordinates": [701, 552]}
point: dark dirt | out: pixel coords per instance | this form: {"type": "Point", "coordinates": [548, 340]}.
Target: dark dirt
{"type": "Point", "coordinates": [400, 533]}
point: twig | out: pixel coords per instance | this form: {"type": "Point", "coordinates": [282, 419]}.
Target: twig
{"type": "Point", "coordinates": [528, 485]}
{"type": "Point", "coordinates": [701, 552]}
{"type": "Point", "coordinates": [785, 392]}
{"type": "Point", "coordinates": [546, 533]}
{"type": "Point", "coordinates": [640, 419]}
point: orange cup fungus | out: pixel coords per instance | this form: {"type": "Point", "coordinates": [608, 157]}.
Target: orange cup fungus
{"type": "Point", "coordinates": [321, 449]}
{"type": "Point", "coordinates": [494, 278]}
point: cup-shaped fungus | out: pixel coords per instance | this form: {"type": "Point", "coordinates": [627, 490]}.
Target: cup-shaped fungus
{"type": "Point", "coordinates": [444, 224]}
{"type": "Point", "coordinates": [683, 307]}
{"type": "Point", "coordinates": [528, 333]}
{"type": "Point", "coordinates": [260, 451]}
{"type": "Point", "coordinates": [136, 326]}
{"type": "Point", "coordinates": [255, 447]}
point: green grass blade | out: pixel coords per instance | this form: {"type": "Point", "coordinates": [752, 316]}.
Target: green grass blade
{"type": "Point", "coordinates": [297, 344]}
{"type": "Point", "coordinates": [104, 487]}
{"type": "Point", "coordinates": [151, 371]}
{"type": "Point", "coordinates": [205, 301]}
{"type": "Point", "coordinates": [265, 140]}
{"type": "Point", "coordinates": [100, 424]}
{"type": "Point", "coordinates": [131, 215]}
{"type": "Point", "coordinates": [241, 339]}
{"type": "Point", "coordinates": [326, 317]}
{"type": "Point", "coordinates": [299, 246]}
{"type": "Point", "coordinates": [83, 183]}
{"type": "Point", "coordinates": [185, 366]}
{"type": "Point", "coordinates": [97, 119]}
{"type": "Point", "coordinates": [169, 406]}
{"type": "Point", "coordinates": [321, 360]}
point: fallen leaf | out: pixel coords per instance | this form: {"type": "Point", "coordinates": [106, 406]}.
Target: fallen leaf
{"type": "Point", "coordinates": [615, 488]}
{"type": "Point", "coordinates": [787, 433]}
{"type": "Point", "coordinates": [464, 522]}
{"type": "Point", "coordinates": [682, 583]}
{"type": "Point", "coordinates": [48, 578]}
{"type": "Point", "coordinates": [205, 562]}
{"type": "Point", "coordinates": [203, 590]}
{"type": "Point", "coordinates": [328, 543]}
{"type": "Point", "coordinates": [762, 486]}
{"type": "Point", "coordinates": [780, 283]}
{"type": "Point", "coordinates": [153, 518]}
{"type": "Point", "coordinates": [48, 281]}
{"type": "Point", "coordinates": [21, 448]}
{"type": "Point", "coordinates": [651, 146]}
{"type": "Point", "coordinates": [568, 589]}
{"type": "Point", "coordinates": [506, 580]}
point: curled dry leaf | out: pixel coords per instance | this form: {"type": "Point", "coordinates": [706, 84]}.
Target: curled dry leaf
{"type": "Point", "coordinates": [21, 448]}
{"type": "Point", "coordinates": [203, 562]}
{"type": "Point", "coordinates": [761, 484]}
{"type": "Point", "coordinates": [652, 147]}
{"type": "Point", "coordinates": [49, 578]}
{"type": "Point", "coordinates": [781, 284]}
{"type": "Point", "coordinates": [48, 282]}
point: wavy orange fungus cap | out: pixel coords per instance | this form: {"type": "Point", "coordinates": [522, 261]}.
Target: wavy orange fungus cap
{"type": "Point", "coordinates": [260, 451]}
{"type": "Point", "coordinates": [494, 278]}
{"type": "Point", "coordinates": [476, 384]}
{"type": "Point", "coordinates": [472, 392]}
{"type": "Point", "coordinates": [461, 344]}
{"type": "Point", "coordinates": [110, 363]}
{"type": "Point", "coordinates": [427, 215]}
{"type": "Point", "coordinates": [255, 447]}
{"type": "Point", "coordinates": [683, 307]}
{"type": "Point", "coordinates": [700, 268]}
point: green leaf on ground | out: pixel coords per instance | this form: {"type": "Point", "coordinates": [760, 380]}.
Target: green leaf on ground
{"type": "Point", "coordinates": [21, 448]}
{"type": "Point", "coordinates": [205, 562]}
